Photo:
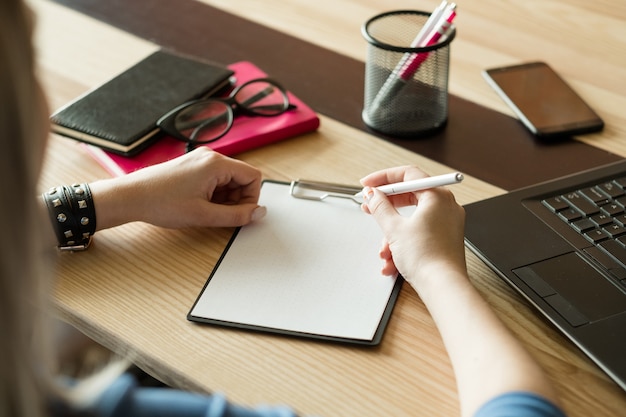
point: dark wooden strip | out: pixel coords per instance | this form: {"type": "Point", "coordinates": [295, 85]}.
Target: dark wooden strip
{"type": "Point", "coordinates": [478, 141]}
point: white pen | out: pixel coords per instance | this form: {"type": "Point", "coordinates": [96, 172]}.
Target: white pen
{"type": "Point", "coordinates": [419, 184]}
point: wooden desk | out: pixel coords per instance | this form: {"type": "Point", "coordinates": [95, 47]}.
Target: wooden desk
{"type": "Point", "coordinates": [132, 289]}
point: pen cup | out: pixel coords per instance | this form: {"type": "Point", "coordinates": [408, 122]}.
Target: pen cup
{"type": "Point", "coordinates": [406, 87]}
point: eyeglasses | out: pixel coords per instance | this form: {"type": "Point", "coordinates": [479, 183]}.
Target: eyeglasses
{"type": "Point", "coordinates": [204, 121]}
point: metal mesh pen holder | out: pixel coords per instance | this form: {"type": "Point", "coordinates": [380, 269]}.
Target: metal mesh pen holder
{"type": "Point", "coordinates": [406, 88]}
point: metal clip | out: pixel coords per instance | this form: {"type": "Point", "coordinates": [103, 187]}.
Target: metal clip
{"type": "Point", "coordinates": [319, 191]}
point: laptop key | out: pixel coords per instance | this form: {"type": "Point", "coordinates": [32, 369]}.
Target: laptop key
{"type": "Point", "coordinates": [612, 189]}
{"type": "Point", "coordinates": [621, 182]}
{"type": "Point", "coordinates": [583, 225]}
{"type": "Point", "coordinates": [621, 201]}
{"type": "Point", "coordinates": [606, 261]}
{"type": "Point", "coordinates": [616, 250]}
{"type": "Point", "coordinates": [595, 195]}
{"type": "Point", "coordinates": [615, 230]}
{"type": "Point", "coordinates": [602, 258]}
{"type": "Point", "coordinates": [619, 273]}
{"type": "Point", "coordinates": [579, 202]}
{"type": "Point", "coordinates": [570, 214]}
{"type": "Point", "coordinates": [555, 204]}
{"type": "Point", "coordinates": [612, 209]}
{"type": "Point", "coordinates": [620, 219]}
{"type": "Point", "coordinates": [601, 219]}
{"type": "Point", "coordinates": [596, 236]}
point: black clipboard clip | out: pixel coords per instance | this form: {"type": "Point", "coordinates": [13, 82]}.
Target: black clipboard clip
{"type": "Point", "coordinates": [319, 191]}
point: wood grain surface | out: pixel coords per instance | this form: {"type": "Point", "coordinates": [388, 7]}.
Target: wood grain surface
{"type": "Point", "coordinates": [132, 290]}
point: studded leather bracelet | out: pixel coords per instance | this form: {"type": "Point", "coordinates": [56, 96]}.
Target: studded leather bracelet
{"type": "Point", "coordinates": [73, 215]}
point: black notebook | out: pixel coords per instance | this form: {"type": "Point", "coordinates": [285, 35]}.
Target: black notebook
{"type": "Point", "coordinates": [121, 114]}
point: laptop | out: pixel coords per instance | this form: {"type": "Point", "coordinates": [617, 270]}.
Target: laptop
{"type": "Point", "coordinates": [562, 245]}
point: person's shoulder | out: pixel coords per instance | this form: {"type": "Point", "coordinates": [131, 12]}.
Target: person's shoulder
{"type": "Point", "coordinates": [521, 403]}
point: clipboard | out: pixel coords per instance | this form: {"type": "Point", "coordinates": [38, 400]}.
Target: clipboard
{"type": "Point", "coordinates": [310, 268]}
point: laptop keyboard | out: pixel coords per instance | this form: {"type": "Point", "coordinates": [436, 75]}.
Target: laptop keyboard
{"type": "Point", "coordinates": [598, 213]}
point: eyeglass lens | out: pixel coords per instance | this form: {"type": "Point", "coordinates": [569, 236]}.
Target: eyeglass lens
{"type": "Point", "coordinates": [262, 98]}
{"type": "Point", "coordinates": [208, 120]}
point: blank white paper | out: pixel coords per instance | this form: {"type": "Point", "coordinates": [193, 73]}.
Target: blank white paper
{"type": "Point", "coordinates": [307, 266]}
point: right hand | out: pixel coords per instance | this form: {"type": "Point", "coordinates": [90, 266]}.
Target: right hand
{"type": "Point", "coordinates": [427, 243]}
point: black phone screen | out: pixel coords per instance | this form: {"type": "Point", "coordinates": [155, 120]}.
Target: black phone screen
{"type": "Point", "coordinates": [542, 100]}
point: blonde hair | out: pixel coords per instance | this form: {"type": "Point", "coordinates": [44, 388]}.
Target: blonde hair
{"type": "Point", "coordinates": [26, 355]}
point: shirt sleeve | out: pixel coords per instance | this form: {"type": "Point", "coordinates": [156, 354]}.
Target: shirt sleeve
{"type": "Point", "coordinates": [125, 398]}
{"type": "Point", "coordinates": [516, 403]}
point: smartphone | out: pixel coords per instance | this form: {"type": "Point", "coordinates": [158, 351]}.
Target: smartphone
{"type": "Point", "coordinates": [543, 101]}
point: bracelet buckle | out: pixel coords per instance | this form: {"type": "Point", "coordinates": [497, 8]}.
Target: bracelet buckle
{"type": "Point", "coordinates": [76, 248]}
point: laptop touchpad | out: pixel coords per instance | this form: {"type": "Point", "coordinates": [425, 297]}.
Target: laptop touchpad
{"type": "Point", "coordinates": [576, 290]}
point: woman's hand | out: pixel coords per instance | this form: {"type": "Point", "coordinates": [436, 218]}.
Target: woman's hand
{"type": "Point", "coordinates": [199, 189]}
{"type": "Point", "coordinates": [418, 246]}
{"type": "Point", "coordinates": [427, 249]}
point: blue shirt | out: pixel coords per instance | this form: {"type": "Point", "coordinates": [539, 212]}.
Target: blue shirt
{"type": "Point", "coordinates": [522, 404]}
{"type": "Point", "coordinates": [124, 398]}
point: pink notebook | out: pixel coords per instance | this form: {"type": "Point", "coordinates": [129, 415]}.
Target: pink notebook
{"type": "Point", "coordinates": [246, 133]}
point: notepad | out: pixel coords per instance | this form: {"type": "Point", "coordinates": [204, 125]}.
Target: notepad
{"type": "Point", "coordinates": [308, 268]}
{"type": "Point", "coordinates": [246, 133]}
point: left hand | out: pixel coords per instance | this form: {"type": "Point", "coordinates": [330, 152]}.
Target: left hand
{"type": "Point", "coordinates": [199, 189]}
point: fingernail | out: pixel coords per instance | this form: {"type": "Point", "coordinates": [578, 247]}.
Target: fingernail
{"type": "Point", "coordinates": [367, 193]}
{"type": "Point", "coordinates": [259, 213]}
